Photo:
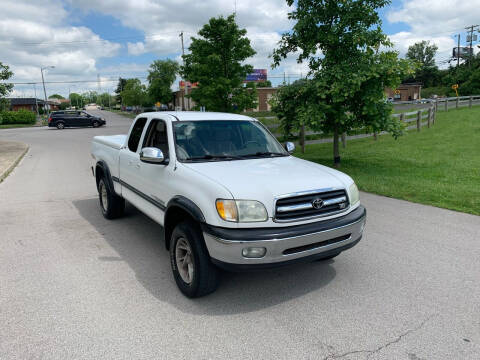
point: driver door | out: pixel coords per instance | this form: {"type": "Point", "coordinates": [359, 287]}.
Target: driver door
{"type": "Point", "coordinates": [154, 178]}
{"type": "Point", "coordinates": [84, 119]}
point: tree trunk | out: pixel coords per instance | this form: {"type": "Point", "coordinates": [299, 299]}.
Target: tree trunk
{"type": "Point", "coordinates": [336, 149]}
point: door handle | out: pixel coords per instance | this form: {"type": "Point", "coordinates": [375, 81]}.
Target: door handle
{"type": "Point", "coordinates": [137, 166]}
{"type": "Point", "coordinates": [130, 162]}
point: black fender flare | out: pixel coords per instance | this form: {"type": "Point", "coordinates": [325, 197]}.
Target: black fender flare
{"type": "Point", "coordinates": [187, 206]}
{"type": "Point", "coordinates": [106, 171]}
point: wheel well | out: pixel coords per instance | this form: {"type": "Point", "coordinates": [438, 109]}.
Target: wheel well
{"type": "Point", "coordinates": [174, 215]}
{"type": "Point", "coordinates": [99, 173]}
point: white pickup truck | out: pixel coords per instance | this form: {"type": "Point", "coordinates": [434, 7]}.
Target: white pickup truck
{"type": "Point", "coordinates": [227, 194]}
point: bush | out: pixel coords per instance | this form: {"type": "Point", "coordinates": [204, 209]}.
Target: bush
{"type": "Point", "coordinates": [17, 117]}
{"type": "Point", "coordinates": [437, 90]}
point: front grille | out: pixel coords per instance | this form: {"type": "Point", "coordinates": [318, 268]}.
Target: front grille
{"type": "Point", "coordinates": [301, 206]}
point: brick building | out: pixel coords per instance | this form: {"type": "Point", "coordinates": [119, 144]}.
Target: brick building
{"type": "Point", "coordinates": [30, 104]}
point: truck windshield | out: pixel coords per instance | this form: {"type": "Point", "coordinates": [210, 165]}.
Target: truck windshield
{"type": "Point", "coordinates": [223, 140]}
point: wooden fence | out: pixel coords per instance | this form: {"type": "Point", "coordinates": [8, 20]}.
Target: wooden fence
{"type": "Point", "coordinates": [417, 119]}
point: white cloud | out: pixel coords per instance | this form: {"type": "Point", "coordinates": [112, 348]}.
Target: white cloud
{"type": "Point", "coordinates": [162, 22]}
{"type": "Point", "coordinates": [36, 34]}
{"type": "Point", "coordinates": [434, 20]}
{"type": "Point", "coordinates": [137, 48]}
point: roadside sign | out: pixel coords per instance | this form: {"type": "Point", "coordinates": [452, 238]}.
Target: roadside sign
{"type": "Point", "coordinates": [455, 87]}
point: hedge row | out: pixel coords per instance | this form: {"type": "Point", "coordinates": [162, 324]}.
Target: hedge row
{"type": "Point", "coordinates": [17, 117]}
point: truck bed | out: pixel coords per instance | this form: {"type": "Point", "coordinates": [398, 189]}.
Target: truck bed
{"type": "Point", "coordinates": [113, 141]}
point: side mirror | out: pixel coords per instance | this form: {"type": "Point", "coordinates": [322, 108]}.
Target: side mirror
{"type": "Point", "coordinates": [152, 155]}
{"type": "Point", "coordinates": [290, 147]}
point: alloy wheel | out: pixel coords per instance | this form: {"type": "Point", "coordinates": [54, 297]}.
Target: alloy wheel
{"type": "Point", "coordinates": [184, 260]}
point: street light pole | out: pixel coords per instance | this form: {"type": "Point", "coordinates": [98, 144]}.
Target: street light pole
{"type": "Point", "coordinates": [45, 91]}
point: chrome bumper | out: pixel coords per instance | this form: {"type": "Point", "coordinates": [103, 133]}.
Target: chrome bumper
{"type": "Point", "coordinates": [279, 250]}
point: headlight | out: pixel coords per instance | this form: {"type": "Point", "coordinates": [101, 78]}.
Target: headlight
{"type": "Point", "coordinates": [241, 210]}
{"type": "Point", "coordinates": [354, 195]}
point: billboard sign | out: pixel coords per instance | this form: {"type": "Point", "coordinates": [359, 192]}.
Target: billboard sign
{"type": "Point", "coordinates": [465, 52]}
{"type": "Point", "coordinates": [189, 84]}
{"type": "Point", "coordinates": [257, 75]}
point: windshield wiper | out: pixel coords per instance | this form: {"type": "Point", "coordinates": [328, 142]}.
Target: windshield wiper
{"type": "Point", "coordinates": [214, 157]}
{"type": "Point", "coordinates": [265, 153]}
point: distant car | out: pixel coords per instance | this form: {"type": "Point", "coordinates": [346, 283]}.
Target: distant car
{"type": "Point", "coordinates": [63, 119]}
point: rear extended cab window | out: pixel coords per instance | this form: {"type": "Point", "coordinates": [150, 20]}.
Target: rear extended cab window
{"type": "Point", "coordinates": [136, 134]}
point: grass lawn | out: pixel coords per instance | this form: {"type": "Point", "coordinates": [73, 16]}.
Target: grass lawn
{"type": "Point", "coordinates": [11, 126]}
{"type": "Point", "coordinates": [439, 166]}
{"type": "Point", "coordinates": [130, 115]}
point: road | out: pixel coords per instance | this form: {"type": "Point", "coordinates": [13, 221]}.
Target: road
{"type": "Point", "coordinates": [76, 286]}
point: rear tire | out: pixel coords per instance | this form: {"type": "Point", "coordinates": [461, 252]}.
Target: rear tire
{"type": "Point", "coordinates": [60, 126]}
{"type": "Point", "coordinates": [192, 269]}
{"type": "Point", "coordinates": [112, 205]}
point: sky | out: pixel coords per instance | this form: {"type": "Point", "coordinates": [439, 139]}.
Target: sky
{"type": "Point", "coordinates": [87, 40]}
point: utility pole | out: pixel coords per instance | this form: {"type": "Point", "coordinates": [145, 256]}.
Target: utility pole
{"type": "Point", "coordinates": [99, 84]}
{"type": "Point", "coordinates": [36, 103]}
{"type": "Point", "coordinates": [458, 49]}
{"type": "Point", "coordinates": [470, 29]}
{"type": "Point", "coordinates": [45, 91]}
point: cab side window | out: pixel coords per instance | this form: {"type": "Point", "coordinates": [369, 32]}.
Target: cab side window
{"type": "Point", "coordinates": [136, 134]}
{"type": "Point", "coordinates": [156, 136]}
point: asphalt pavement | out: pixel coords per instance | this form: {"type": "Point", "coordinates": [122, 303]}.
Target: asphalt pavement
{"type": "Point", "coordinates": [76, 286]}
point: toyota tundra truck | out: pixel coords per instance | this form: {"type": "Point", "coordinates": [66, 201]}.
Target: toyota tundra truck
{"type": "Point", "coordinates": [226, 193]}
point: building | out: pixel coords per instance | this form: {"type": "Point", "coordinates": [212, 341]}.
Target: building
{"type": "Point", "coordinates": [181, 102]}
{"type": "Point", "coordinates": [26, 104]}
{"type": "Point", "coordinates": [405, 92]}
{"type": "Point", "coordinates": [264, 96]}
{"type": "Point", "coordinates": [31, 104]}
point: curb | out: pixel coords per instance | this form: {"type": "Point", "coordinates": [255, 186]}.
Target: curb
{"type": "Point", "coordinates": [7, 172]}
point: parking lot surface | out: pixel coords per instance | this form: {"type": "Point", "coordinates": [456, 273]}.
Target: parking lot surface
{"type": "Point", "coordinates": [74, 285]}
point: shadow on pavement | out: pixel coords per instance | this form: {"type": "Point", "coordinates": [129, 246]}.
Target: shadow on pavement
{"type": "Point", "coordinates": [139, 242]}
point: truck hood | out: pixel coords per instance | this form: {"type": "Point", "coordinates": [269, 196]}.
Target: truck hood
{"type": "Point", "coordinates": [264, 179]}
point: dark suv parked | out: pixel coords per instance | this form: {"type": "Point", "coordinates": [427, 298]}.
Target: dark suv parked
{"type": "Point", "coordinates": [62, 119]}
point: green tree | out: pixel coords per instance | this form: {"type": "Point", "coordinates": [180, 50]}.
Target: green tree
{"type": "Point", "coordinates": [5, 88]}
{"type": "Point", "coordinates": [76, 100]}
{"type": "Point", "coordinates": [288, 103]}
{"type": "Point", "coordinates": [120, 86]}
{"type": "Point", "coordinates": [423, 54]}
{"type": "Point", "coordinates": [260, 84]}
{"type": "Point", "coordinates": [56, 96]}
{"type": "Point", "coordinates": [90, 97]}
{"type": "Point", "coordinates": [340, 40]}
{"type": "Point", "coordinates": [161, 75]}
{"type": "Point", "coordinates": [217, 62]}
{"type": "Point", "coordinates": [134, 93]}
{"type": "Point", "coordinates": [105, 99]}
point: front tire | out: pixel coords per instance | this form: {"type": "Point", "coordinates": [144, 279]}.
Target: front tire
{"type": "Point", "coordinates": [193, 271]}
{"type": "Point", "coordinates": [95, 124]}
{"type": "Point", "coordinates": [111, 204]}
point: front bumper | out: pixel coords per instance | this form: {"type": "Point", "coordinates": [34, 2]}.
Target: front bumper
{"type": "Point", "coordinates": [284, 245]}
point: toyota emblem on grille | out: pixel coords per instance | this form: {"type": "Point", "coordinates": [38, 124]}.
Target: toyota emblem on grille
{"type": "Point", "coordinates": [317, 203]}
